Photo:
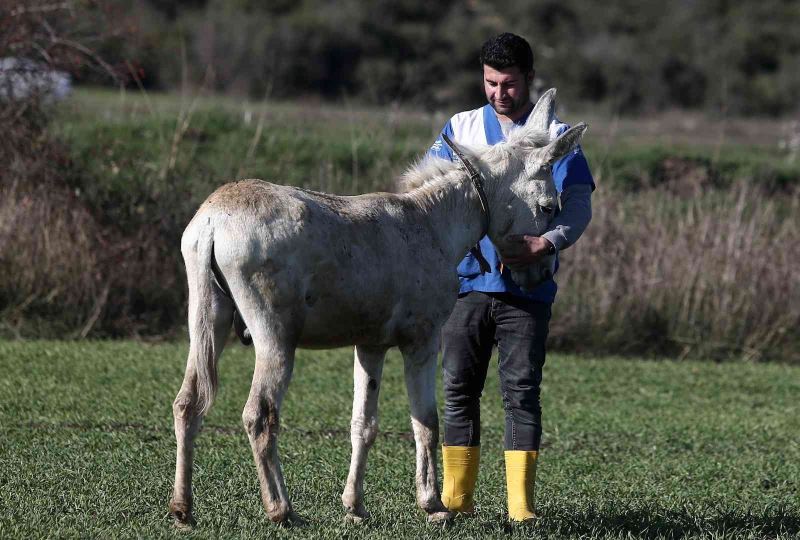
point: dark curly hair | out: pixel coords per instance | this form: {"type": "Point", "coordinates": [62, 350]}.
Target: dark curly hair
{"type": "Point", "coordinates": [507, 50]}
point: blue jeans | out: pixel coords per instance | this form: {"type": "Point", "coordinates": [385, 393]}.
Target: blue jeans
{"type": "Point", "coordinates": [518, 327]}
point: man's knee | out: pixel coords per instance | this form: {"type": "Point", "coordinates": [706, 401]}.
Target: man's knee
{"type": "Point", "coordinates": [524, 399]}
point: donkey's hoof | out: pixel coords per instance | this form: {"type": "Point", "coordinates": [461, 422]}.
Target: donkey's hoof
{"type": "Point", "coordinates": [283, 514]}
{"type": "Point", "coordinates": [293, 520]}
{"type": "Point", "coordinates": [356, 511]}
{"type": "Point", "coordinates": [356, 517]}
{"type": "Point", "coordinates": [279, 517]}
{"type": "Point", "coordinates": [183, 522]}
{"type": "Point", "coordinates": [182, 514]}
{"type": "Point", "coordinates": [440, 518]}
{"type": "Point", "coordinates": [186, 526]}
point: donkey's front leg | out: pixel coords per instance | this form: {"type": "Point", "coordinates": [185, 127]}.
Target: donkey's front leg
{"type": "Point", "coordinates": [420, 375]}
{"type": "Point", "coordinates": [367, 371]}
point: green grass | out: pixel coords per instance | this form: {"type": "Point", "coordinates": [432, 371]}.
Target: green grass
{"type": "Point", "coordinates": [631, 449]}
{"type": "Point", "coordinates": [139, 146]}
{"type": "Point", "coordinates": [131, 146]}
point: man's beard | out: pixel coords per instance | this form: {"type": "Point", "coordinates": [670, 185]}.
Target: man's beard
{"type": "Point", "coordinates": [514, 106]}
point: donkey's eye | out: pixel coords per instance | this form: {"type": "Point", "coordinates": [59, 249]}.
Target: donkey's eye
{"type": "Point", "coordinates": [546, 209]}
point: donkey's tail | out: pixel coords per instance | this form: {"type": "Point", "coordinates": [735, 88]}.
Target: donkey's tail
{"type": "Point", "coordinates": [202, 317]}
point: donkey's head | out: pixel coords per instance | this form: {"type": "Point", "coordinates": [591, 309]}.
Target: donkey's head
{"type": "Point", "coordinates": [523, 197]}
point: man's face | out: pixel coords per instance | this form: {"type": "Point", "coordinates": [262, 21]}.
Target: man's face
{"type": "Point", "coordinates": [507, 90]}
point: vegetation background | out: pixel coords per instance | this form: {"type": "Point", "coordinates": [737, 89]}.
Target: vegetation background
{"type": "Point", "coordinates": [716, 55]}
{"type": "Point", "coordinates": [694, 144]}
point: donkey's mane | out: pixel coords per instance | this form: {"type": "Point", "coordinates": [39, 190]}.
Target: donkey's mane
{"type": "Point", "coordinates": [424, 171]}
{"type": "Point", "coordinates": [531, 138]}
{"type": "Point", "coordinates": [430, 168]}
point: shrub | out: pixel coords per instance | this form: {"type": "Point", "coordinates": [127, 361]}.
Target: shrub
{"type": "Point", "coordinates": [713, 276]}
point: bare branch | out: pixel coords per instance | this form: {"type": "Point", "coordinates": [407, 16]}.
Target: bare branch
{"type": "Point", "coordinates": [89, 53]}
{"type": "Point", "coordinates": [46, 8]}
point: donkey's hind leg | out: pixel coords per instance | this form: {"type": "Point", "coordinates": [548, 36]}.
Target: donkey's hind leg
{"type": "Point", "coordinates": [261, 418]}
{"type": "Point", "coordinates": [186, 413]}
{"type": "Point", "coordinates": [367, 371]}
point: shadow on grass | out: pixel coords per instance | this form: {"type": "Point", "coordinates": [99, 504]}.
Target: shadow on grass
{"type": "Point", "coordinates": [659, 522]}
{"type": "Point", "coordinates": [223, 430]}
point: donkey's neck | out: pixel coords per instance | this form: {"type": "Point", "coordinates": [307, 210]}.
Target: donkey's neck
{"type": "Point", "coordinates": [452, 207]}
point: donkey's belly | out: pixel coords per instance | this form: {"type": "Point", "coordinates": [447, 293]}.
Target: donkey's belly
{"type": "Point", "coordinates": [331, 324]}
{"type": "Point", "coordinates": [329, 338]}
{"type": "Point", "coordinates": [367, 320]}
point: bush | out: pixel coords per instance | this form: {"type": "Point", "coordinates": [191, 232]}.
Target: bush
{"type": "Point", "coordinates": [724, 58]}
{"type": "Point", "coordinates": [54, 281]}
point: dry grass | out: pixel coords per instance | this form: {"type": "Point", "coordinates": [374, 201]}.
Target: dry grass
{"type": "Point", "coordinates": [48, 255]}
{"type": "Point", "coordinates": [53, 251]}
{"type": "Point", "coordinates": [66, 275]}
{"type": "Point", "coordinates": [714, 275]}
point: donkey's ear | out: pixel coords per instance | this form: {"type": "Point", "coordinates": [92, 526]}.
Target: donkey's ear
{"type": "Point", "coordinates": [564, 144]}
{"type": "Point", "coordinates": [544, 112]}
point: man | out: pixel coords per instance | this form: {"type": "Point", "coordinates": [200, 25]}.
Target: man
{"type": "Point", "coordinates": [491, 309]}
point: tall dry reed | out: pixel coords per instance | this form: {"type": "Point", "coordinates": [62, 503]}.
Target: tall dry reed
{"type": "Point", "coordinates": [716, 275]}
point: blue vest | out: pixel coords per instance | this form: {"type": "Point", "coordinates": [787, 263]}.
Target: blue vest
{"type": "Point", "coordinates": [571, 169]}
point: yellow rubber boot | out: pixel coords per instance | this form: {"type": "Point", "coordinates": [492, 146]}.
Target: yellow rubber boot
{"type": "Point", "coordinates": [460, 473]}
{"type": "Point", "coordinates": [520, 482]}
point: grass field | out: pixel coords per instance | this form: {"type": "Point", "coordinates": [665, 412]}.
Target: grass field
{"type": "Point", "coordinates": [631, 449]}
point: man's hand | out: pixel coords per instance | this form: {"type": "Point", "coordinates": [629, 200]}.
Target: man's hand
{"type": "Point", "coordinates": [522, 250]}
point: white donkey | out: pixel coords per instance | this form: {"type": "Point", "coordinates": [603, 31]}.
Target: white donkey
{"type": "Point", "coordinates": [305, 269]}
